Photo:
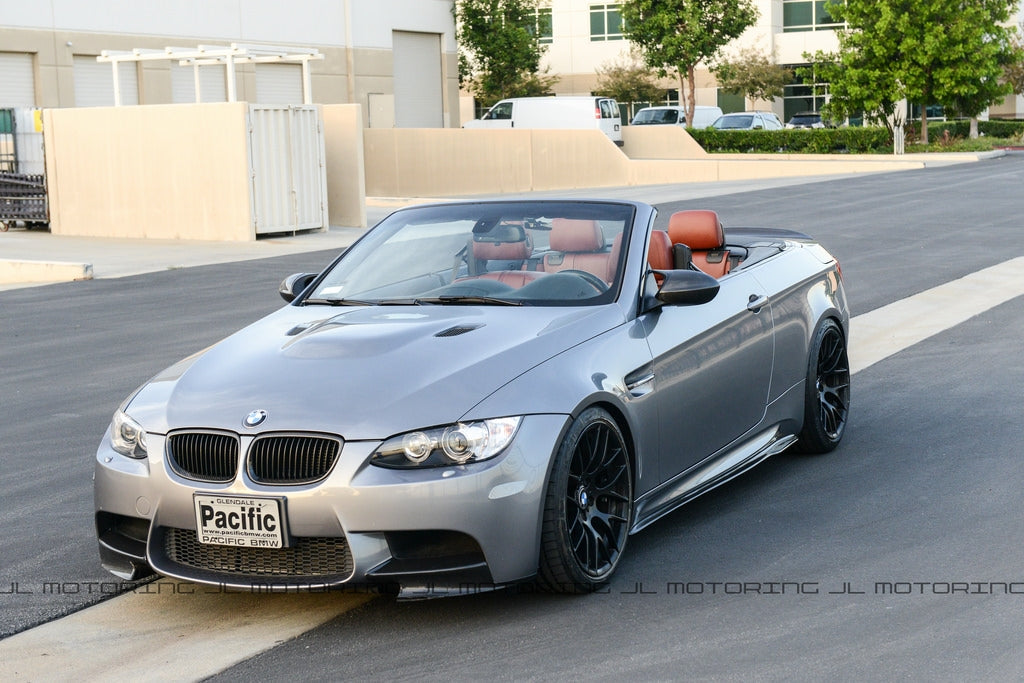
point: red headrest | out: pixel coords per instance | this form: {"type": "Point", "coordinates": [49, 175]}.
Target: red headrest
{"type": "Point", "coordinates": [502, 251]}
{"type": "Point", "coordinates": [698, 229]}
{"type": "Point", "coordinates": [575, 235]}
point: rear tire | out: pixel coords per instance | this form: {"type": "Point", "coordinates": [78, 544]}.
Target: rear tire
{"type": "Point", "coordinates": [589, 506]}
{"type": "Point", "coordinates": [827, 397]}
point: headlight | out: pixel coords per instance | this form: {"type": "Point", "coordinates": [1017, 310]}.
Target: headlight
{"type": "Point", "coordinates": [127, 436]}
{"type": "Point", "coordinates": [457, 444]}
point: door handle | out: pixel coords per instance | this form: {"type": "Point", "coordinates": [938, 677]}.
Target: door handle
{"type": "Point", "coordinates": [757, 302]}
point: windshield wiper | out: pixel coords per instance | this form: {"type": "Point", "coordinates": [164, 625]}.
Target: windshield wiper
{"type": "Point", "coordinates": [418, 301]}
{"type": "Point", "coordinates": [456, 299]}
{"type": "Point", "coordinates": [339, 302]}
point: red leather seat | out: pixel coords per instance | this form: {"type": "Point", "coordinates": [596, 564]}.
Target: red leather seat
{"type": "Point", "coordinates": [578, 245]}
{"type": "Point", "coordinates": [506, 251]}
{"type": "Point", "coordinates": [659, 251]}
{"type": "Point", "coordinates": [702, 232]}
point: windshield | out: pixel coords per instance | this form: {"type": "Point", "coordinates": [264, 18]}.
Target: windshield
{"type": "Point", "coordinates": [494, 253]}
{"type": "Point", "coordinates": [655, 116]}
{"type": "Point", "coordinates": [727, 122]}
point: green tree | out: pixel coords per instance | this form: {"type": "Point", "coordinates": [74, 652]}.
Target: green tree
{"type": "Point", "coordinates": [499, 49]}
{"type": "Point", "coordinates": [676, 35]}
{"type": "Point", "coordinates": [753, 73]}
{"type": "Point", "coordinates": [925, 51]}
{"type": "Point", "coordinates": [628, 80]}
{"type": "Point", "coordinates": [1014, 68]}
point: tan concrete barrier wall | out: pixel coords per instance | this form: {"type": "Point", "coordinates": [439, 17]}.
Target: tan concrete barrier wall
{"type": "Point", "coordinates": [660, 142]}
{"type": "Point", "coordinates": [403, 162]}
{"type": "Point", "coordinates": [346, 177]}
{"type": "Point", "coordinates": [452, 162]}
{"type": "Point", "coordinates": [161, 171]}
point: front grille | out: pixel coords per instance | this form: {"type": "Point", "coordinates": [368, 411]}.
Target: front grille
{"type": "Point", "coordinates": [292, 459]}
{"type": "Point", "coordinates": [307, 557]}
{"type": "Point", "coordinates": [204, 456]}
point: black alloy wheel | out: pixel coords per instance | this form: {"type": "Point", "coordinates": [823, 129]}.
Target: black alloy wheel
{"type": "Point", "coordinates": [827, 403]}
{"type": "Point", "coordinates": [588, 510]}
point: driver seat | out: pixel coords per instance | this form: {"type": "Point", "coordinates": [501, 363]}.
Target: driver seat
{"type": "Point", "coordinates": [578, 245]}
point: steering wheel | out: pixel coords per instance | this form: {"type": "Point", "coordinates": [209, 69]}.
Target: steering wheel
{"type": "Point", "coordinates": [594, 281]}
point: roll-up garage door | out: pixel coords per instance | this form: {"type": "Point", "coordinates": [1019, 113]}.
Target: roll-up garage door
{"type": "Point", "coordinates": [94, 82]}
{"type": "Point", "coordinates": [279, 83]}
{"type": "Point", "coordinates": [212, 85]}
{"type": "Point", "coordinates": [17, 83]}
{"type": "Point", "coordinates": [418, 84]}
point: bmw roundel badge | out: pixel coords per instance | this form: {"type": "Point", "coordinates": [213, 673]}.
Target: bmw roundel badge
{"type": "Point", "coordinates": [255, 418]}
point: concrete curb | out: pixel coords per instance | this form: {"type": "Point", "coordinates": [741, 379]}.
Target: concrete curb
{"type": "Point", "coordinates": [18, 272]}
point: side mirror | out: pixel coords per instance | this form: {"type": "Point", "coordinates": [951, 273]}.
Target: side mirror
{"type": "Point", "coordinates": [295, 284]}
{"type": "Point", "coordinates": [686, 287]}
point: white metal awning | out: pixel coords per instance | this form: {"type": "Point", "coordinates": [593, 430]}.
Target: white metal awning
{"type": "Point", "coordinates": [217, 55]}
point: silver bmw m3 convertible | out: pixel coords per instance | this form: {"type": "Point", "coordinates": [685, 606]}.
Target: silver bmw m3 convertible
{"type": "Point", "coordinates": [478, 394]}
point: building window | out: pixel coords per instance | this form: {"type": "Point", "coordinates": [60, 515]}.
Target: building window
{"type": "Point", "coordinates": [731, 101]}
{"type": "Point", "coordinates": [807, 15]}
{"type": "Point", "coordinates": [605, 22]}
{"type": "Point", "coordinates": [802, 96]}
{"type": "Point", "coordinates": [543, 26]}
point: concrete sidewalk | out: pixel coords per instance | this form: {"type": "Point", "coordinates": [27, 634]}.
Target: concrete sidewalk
{"type": "Point", "coordinates": [35, 257]}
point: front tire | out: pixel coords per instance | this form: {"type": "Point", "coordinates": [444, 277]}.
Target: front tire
{"type": "Point", "coordinates": [589, 506]}
{"type": "Point", "coordinates": [827, 397]}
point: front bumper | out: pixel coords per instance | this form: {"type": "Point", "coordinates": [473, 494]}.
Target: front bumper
{"type": "Point", "coordinates": [428, 530]}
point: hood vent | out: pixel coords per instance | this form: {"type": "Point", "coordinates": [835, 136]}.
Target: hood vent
{"type": "Point", "coordinates": [457, 330]}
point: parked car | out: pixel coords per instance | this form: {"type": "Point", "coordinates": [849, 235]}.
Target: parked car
{"type": "Point", "coordinates": [475, 394]}
{"type": "Point", "coordinates": [703, 116]}
{"type": "Point", "coordinates": [581, 113]}
{"type": "Point", "coordinates": [807, 119]}
{"type": "Point", "coordinates": [748, 120]}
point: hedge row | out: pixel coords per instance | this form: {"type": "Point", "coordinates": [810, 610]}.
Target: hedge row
{"type": "Point", "coordinates": [961, 129]}
{"type": "Point", "coordinates": [801, 141]}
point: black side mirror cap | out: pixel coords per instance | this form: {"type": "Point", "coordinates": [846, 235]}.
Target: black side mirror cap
{"type": "Point", "coordinates": [686, 287]}
{"type": "Point", "coordinates": [294, 285]}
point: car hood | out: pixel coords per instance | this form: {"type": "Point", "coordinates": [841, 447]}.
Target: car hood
{"type": "Point", "coordinates": [365, 373]}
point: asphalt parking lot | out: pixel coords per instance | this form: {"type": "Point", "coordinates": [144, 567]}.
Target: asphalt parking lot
{"type": "Point", "coordinates": [901, 555]}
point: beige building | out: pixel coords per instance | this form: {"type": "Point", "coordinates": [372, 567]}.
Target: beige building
{"type": "Point", "coordinates": [396, 58]}
{"type": "Point", "coordinates": [584, 35]}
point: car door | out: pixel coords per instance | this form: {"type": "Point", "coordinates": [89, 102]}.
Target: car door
{"type": "Point", "coordinates": [712, 367]}
{"type": "Point", "coordinates": [501, 115]}
{"type": "Point", "coordinates": [610, 122]}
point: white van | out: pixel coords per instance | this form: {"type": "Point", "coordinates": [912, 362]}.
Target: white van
{"type": "Point", "coordinates": [703, 116]}
{"type": "Point", "coordinates": [581, 113]}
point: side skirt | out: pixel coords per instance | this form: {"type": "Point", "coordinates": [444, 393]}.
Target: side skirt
{"type": "Point", "coordinates": [708, 475]}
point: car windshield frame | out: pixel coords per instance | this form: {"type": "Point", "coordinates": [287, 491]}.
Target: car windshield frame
{"type": "Point", "coordinates": [484, 253]}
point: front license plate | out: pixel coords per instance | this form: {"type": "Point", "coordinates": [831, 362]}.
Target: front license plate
{"type": "Point", "coordinates": [244, 521]}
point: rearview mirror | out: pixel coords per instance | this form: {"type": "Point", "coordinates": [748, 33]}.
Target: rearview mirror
{"type": "Point", "coordinates": [295, 284]}
{"type": "Point", "coordinates": [686, 287]}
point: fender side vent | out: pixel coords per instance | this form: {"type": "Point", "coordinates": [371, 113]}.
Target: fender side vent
{"type": "Point", "coordinates": [457, 330]}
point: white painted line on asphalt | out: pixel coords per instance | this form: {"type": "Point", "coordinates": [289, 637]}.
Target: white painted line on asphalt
{"type": "Point", "coordinates": [180, 631]}
{"type": "Point", "coordinates": [888, 330]}
{"type": "Point", "coordinates": [165, 631]}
